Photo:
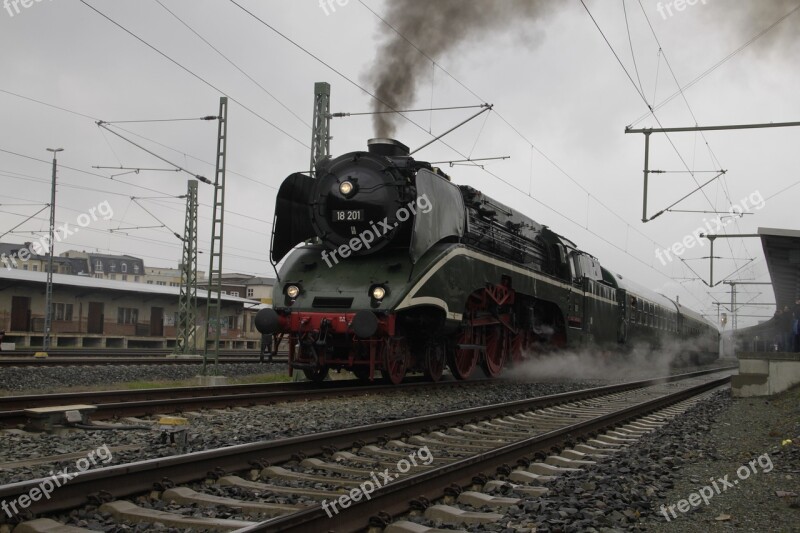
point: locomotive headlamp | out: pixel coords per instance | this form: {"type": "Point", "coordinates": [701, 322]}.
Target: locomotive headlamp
{"type": "Point", "coordinates": [292, 291]}
{"type": "Point", "coordinates": [346, 188]}
{"type": "Point", "coordinates": [378, 292]}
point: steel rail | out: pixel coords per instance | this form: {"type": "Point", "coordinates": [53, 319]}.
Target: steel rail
{"type": "Point", "coordinates": [55, 353]}
{"type": "Point", "coordinates": [140, 402]}
{"type": "Point", "coordinates": [393, 499]}
{"type": "Point", "coordinates": [129, 361]}
{"type": "Point", "coordinates": [128, 479]}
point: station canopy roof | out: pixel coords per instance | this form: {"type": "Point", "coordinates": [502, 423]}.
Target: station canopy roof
{"type": "Point", "coordinates": [17, 276]}
{"type": "Point", "coordinates": [782, 251]}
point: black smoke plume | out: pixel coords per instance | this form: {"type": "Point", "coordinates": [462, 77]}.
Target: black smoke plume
{"type": "Point", "coordinates": [437, 27]}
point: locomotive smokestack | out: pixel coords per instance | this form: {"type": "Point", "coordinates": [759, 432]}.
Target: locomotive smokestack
{"type": "Point", "coordinates": [387, 147]}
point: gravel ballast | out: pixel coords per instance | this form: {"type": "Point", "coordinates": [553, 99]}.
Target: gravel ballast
{"type": "Point", "coordinates": [13, 380]}
{"type": "Point", "coordinates": [216, 428]}
{"type": "Point", "coordinates": [712, 440]}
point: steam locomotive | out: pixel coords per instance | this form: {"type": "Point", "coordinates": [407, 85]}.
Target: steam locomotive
{"type": "Point", "coordinates": [399, 270]}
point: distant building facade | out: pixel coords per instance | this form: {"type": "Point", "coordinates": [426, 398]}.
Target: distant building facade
{"type": "Point", "coordinates": [112, 267]}
{"type": "Point", "coordinates": [166, 277]}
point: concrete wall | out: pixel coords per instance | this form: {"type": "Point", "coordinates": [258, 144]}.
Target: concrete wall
{"type": "Point", "coordinates": [766, 374]}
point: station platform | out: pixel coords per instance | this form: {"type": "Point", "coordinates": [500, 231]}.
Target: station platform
{"type": "Point", "coordinates": [765, 373]}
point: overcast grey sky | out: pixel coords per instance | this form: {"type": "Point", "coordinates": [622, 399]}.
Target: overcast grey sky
{"type": "Point", "coordinates": [552, 78]}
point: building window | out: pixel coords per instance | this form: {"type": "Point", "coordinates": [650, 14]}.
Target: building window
{"type": "Point", "coordinates": [173, 284]}
{"type": "Point", "coordinates": [124, 277]}
{"type": "Point", "coordinates": [136, 279]}
{"type": "Point", "coordinates": [135, 269]}
{"type": "Point", "coordinates": [62, 312]}
{"type": "Point", "coordinates": [25, 267]}
{"type": "Point", "coordinates": [112, 267]}
{"type": "Point", "coordinates": [164, 283]}
{"type": "Point", "coordinates": [149, 281]}
{"type": "Point", "coordinates": [124, 267]}
{"type": "Point", "coordinates": [112, 276]}
{"type": "Point", "coordinates": [224, 292]}
{"type": "Point", "coordinates": [35, 268]}
{"type": "Point", "coordinates": [235, 293]}
{"type": "Point", "coordinates": [251, 292]}
{"type": "Point", "coordinates": [98, 276]}
{"type": "Point", "coordinates": [127, 315]}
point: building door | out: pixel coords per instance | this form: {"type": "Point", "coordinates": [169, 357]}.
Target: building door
{"type": "Point", "coordinates": [156, 321]}
{"type": "Point", "coordinates": [94, 323]}
{"type": "Point", "coordinates": [20, 313]}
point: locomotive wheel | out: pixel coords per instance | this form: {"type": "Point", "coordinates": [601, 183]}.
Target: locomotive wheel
{"type": "Point", "coordinates": [462, 362]}
{"type": "Point", "coordinates": [395, 361]}
{"type": "Point", "coordinates": [434, 361]}
{"type": "Point", "coordinates": [317, 375]}
{"type": "Point", "coordinates": [495, 356]}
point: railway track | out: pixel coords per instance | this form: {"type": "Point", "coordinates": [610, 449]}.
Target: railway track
{"type": "Point", "coordinates": [466, 448]}
{"type": "Point", "coordinates": [144, 402]}
{"type": "Point", "coordinates": [106, 352]}
{"type": "Point", "coordinates": [127, 358]}
{"type": "Point", "coordinates": [127, 361]}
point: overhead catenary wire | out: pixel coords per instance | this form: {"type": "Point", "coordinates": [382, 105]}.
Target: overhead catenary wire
{"type": "Point", "coordinates": [644, 99]}
{"type": "Point", "coordinates": [151, 241]}
{"type": "Point", "coordinates": [383, 112]}
{"type": "Point", "coordinates": [630, 42]}
{"type": "Point", "coordinates": [714, 158]}
{"type": "Point", "coordinates": [193, 74]}
{"type": "Point", "coordinates": [24, 221]}
{"type": "Point", "coordinates": [104, 125]}
{"type": "Point", "coordinates": [234, 65]}
{"type": "Point", "coordinates": [716, 65]}
{"type": "Point", "coordinates": [157, 219]}
{"type": "Point", "coordinates": [173, 207]}
{"type": "Point", "coordinates": [95, 119]}
{"type": "Point", "coordinates": [207, 117]}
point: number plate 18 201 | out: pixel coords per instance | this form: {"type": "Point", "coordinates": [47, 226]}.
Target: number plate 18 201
{"type": "Point", "coordinates": [348, 215]}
